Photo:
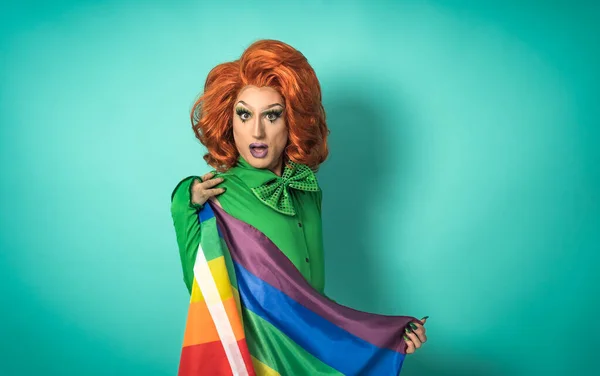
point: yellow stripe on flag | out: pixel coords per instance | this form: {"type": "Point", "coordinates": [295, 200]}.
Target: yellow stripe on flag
{"type": "Point", "coordinates": [263, 369]}
{"type": "Point", "coordinates": [221, 277]}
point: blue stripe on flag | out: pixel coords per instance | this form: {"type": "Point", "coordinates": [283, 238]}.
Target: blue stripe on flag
{"type": "Point", "coordinates": [207, 213]}
{"type": "Point", "coordinates": [329, 343]}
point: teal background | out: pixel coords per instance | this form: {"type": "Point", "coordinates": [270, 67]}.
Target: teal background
{"type": "Point", "coordinates": [462, 184]}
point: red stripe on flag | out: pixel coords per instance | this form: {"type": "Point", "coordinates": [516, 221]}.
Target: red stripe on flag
{"type": "Point", "coordinates": [210, 359]}
{"type": "Point", "coordinates": [247, 358]}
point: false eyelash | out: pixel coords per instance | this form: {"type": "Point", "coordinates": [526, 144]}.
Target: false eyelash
{"type": "Point", "coordinates": [274, 112]}
{"type": "Point", "coordinates": [277, 113]}
{"type": "Point", "coordinates": [240, 111]}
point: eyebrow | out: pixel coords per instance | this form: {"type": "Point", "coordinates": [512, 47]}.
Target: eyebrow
{"type": "Point", "coordinates": [266, 108]}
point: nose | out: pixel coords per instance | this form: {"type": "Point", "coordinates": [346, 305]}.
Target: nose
{"type": "Point", "coordinates": [258, 128]}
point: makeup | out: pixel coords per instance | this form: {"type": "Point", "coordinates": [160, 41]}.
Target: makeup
{"type": "Point", "coordinates": [259, 150]}
{"type": "Point", "coordinates": [243, 113]}
{"type": "Point", "coordinates": [273, 115]}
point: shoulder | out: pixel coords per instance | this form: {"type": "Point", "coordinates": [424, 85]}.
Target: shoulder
{"type": "Point", "coordinates": [184, 184]}
{"type": "Point", "coordinates": [231, 181]}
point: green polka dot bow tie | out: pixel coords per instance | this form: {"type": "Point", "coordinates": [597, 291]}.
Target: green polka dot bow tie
{"type": "Point", "coordinates": [275, 193]}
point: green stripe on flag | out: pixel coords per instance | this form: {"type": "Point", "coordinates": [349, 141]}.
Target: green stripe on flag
{"type": "Point", "coordinates": [210, 240]}
{"type": "Point", "coordinates": [229, 263]}
{"type": "Point", "coordinates": [287, 357]}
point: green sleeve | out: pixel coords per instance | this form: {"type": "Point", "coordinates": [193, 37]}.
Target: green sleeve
{"type": "Point", "coordinates": [187, 227]}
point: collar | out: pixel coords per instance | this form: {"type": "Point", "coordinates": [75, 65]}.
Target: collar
{"type": "Point", "coordinates": [252, 176]}
{"type": "Point", "coordinates": [271, 189]}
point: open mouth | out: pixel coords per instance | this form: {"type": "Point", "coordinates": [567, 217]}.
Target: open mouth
{"type": "Point", "coordinates": [258, 150]}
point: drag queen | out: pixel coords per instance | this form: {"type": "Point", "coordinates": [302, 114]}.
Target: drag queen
{"type": "Point", "coordinates": [263, 124]}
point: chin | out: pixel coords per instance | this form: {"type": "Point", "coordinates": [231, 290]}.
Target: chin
{"type": "Point", "coordinates": [259, 162]}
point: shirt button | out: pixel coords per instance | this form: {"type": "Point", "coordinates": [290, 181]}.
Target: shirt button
{"type": "Point", "coordinates": [306, 259]}
{"type": "Point", "coordinates": [299, 224]}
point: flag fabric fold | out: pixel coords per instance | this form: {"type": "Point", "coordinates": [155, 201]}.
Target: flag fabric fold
{"type": "Point", "coordinates": [251, 312]}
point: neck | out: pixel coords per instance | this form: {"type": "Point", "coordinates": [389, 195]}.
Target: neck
{"type": "Point", "coordinates": [277, 170]}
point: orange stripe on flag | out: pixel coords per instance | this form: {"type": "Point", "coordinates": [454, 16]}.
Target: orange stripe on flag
{"type": "Point", "coordinates": [200, 327]}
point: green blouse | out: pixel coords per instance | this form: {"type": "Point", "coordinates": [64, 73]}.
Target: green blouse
{"type": "Point", "coordinates": [298, 236]}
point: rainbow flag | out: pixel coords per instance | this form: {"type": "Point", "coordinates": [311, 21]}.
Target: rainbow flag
{"type": "Point", "coordinates": [252, 313]}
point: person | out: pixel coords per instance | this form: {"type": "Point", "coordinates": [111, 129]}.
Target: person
{"type": "Point", "coordinates": [263, 124]}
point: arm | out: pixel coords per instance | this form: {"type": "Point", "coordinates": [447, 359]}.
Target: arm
{"type": "Point", "coordinates": [187, 226]}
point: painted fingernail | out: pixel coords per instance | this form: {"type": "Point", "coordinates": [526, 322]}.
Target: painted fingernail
{"type": "Point", "coordinates": [406, 338]}
{"type": "Point", "coordinates": [413, 326]}
{"type": "Point", "coordinates": [407, 330]}
{"type": "Point", "coordinates": [425, 318]}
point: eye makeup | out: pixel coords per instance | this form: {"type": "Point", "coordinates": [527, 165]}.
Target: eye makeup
{"type": "Point", "coordinates": [243, 113]}
{"type": "Point", "coordinates": [271, 115]}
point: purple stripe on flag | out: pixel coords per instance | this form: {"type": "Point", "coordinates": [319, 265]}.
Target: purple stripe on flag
{"type": "Point", "coordinates": [260, 256]}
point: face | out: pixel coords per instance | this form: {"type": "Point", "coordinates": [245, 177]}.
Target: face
{"type": "Point", "coordinates": [259, 128]}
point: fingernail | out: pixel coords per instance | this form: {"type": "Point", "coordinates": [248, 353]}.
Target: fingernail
{"type": "Point", "coordinates": [425, 318]}
{"type": "Point", "coordinates": [413, 326]}
{"type": "Point", "coordinates": [407, 330]}
{"type": "Point", "coordinates": [406, 338]}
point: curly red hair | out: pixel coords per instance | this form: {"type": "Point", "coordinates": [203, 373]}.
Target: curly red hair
{"type": "Point", "coordinates": [270, 63]}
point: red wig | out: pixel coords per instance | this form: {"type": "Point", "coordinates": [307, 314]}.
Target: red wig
{"type": "Point", "coordinates": [265, 63]}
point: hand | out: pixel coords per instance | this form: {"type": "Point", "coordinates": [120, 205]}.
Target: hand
{"type": "Point", "coordinates": [415, 335]}
{"type": "Point", "coordinates": [202, 191]}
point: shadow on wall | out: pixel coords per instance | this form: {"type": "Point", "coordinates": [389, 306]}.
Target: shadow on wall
{"type": "Point", "coordinates": [356, 181]}
{"type": "Point", "coordinates": [368, 134]}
